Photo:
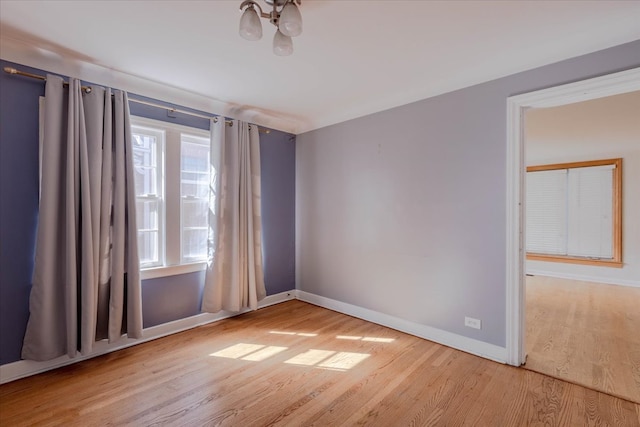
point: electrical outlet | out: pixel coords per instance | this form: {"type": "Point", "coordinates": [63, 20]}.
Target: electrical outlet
{"type": "Point", "coordinates": [472, 323]}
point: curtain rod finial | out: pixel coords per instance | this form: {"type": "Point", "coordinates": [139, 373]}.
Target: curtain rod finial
{"type": "Point", "coordinates": [10, 70]}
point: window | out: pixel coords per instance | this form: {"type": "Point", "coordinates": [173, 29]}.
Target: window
{"type": "Point", "coordinates": [172, 190]}
{"type": "Point", "coordinates": [574, 212]}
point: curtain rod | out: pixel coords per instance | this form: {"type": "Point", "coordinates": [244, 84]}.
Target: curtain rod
{"type": "Point", "coordinates": [14, 71]}
{"type": "Point", "coordinates": [36, 76]}
{"type": "Point", "coordinates": [177, 110]}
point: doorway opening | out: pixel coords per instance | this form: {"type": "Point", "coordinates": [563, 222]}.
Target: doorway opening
{"type": "Point", "coordinates": [582, 290]}
{"type": "Point", "coordinates": [608, 85]}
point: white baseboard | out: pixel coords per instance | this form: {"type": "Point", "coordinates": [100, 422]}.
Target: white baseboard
{"type": "Point", "coordinates": [585, 278]}
{"type": "Point", "coordinates": [469, 345]}
{"type": "Point", "coordinates": [24, 368]}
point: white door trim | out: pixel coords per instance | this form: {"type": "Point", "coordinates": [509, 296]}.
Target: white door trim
{"type": "Point", "coordinates": [599, 87]}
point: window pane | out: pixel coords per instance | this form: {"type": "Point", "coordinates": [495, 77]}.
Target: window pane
{"type": "Point", "coordinates": [195, 184]}
{"type": "Point", "coordinates": [195, 154]}
{"type": "Point", "coordinates": [146, 180]}
{"type": "Point", "coordinates": [144, 149]}
{"type": "Point", "coordinates": [194, 213]}
{"type": "Point", "coordinates": [145, 161]}
{"type": "Point", "coordinates": [147, 214]}
{"type": "Point", "coordinates": [148, 247]}
{"type": "Point", "coordinates": [194, 244]}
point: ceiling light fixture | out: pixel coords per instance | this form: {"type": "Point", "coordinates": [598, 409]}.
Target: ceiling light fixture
{"type": "Point", "coordinates": [285, 16]}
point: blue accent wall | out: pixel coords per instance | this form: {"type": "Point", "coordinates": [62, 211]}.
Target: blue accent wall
{"type": "Point", "coordinates": [164, 299]}
{"type": "Point", "coordinates": [18, 205]}
{"type": "Point", "coordinates": [171, 298]}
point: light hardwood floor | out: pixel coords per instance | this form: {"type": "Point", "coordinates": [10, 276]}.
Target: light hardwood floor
{"type": "Point", "coordinates": [295, 364]}
{"type": "Point", "coordinates": [585, 333]}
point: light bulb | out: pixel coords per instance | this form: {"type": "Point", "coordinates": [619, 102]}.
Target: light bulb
{"type": "Point", "coordinates": [250, 26]}
{"type": "Point", "coordinates": [290, 22]}
{"type": "Point", "coordinates": [282, 45]}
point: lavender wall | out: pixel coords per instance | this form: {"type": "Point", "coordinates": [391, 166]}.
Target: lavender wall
{"type": "Point", "coordinates": [164, 299]}
{"type": "Point", "coordinates": [403, 212]}
{"type": "Point", "coordinates": [277, 162]}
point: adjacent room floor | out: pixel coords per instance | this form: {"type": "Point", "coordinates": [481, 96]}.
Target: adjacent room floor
{"type": "Point", "coordinates": [585, 333]}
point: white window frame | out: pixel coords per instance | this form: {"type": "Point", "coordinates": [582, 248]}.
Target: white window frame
{"type": "Point", "coordinates": [160, 166]}
{"type": "Point", "coordinates": [171, 245]}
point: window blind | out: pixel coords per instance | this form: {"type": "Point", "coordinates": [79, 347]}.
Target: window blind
{"type": "Point", "coordinates": [547, 212]}
{"type": "Point", "coordinates": [570, 212]}
{"type": "Point", "coordinates": [590, 212]}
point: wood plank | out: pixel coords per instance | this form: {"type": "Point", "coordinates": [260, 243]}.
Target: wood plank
{"type": "Point", "coordinates": [294, 364]}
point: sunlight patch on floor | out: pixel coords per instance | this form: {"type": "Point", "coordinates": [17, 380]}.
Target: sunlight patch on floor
{"type": "Point", "coordinates": [340, 361]}
{"type": "Point", "coordinates": [310, 357]}
{"type": "Point", "coordinates": [378, 339]}
{"type": "Point", "coordinates": [343, 360]}
{"type": "Point", "coordinates": [264, 353]}
{"type": "Point", "coordinates": [238, 350]}
{"type": "Point", "coordinates": [324, 359]}
{"type": "Point", "coordinates": [371, 339]}
{"type": "Point", "coordinates": [251, 352]}
{"type": "Point", "coordinates": [300, 334]}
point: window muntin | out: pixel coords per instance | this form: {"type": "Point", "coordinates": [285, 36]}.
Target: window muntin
{"type": "Point", "coordinates": [574, 212]}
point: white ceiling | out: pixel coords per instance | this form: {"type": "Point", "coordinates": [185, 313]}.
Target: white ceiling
{"type": "Point", "coordinates": [353, 58]}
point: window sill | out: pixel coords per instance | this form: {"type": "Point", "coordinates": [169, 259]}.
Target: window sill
{"type": "Point", "coordinates": [575, 260]}
{"type": "Point", "coordinates": [171, 270]}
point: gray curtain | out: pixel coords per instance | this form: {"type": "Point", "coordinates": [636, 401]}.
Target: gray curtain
{"type": "Point", "coordinates": [86, 279]}
{"type": "Point", "coordinates": [234, 276]}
